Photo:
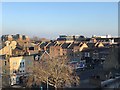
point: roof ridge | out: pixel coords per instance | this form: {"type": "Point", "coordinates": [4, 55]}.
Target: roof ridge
{"type": "Point", "coordinates": [47, 44]}
{"type": "Point", "coordinates": [80, 43]}
{"type": "Point", "coordinates": [70, 45]}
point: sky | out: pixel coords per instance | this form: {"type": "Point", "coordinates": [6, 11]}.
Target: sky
{"type": "Point", "coordinates": [51, 19]}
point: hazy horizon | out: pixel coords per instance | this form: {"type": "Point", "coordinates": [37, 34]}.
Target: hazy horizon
{"type": "Point", "coordinates": [50, 19]}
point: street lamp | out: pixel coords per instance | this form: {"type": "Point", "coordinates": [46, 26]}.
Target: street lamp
{"type": "Point", "coordinates": [47, 83]}
{"type": "Point", "coordinates": [41, 88]}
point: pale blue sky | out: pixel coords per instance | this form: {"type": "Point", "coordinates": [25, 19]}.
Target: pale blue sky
{"type": "Point", "coordinates": [51, 19]}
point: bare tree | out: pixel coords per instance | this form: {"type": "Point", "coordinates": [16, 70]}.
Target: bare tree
{"type": "Point", "coordinates": [56, 72]}
{"type": "Point", "coordinates": [35, 38]}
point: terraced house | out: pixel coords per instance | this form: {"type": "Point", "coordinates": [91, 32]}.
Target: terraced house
{"type": "Point", "coordinates": [15, 64]}
{"type": "Point", "coordinates": [17, 56]}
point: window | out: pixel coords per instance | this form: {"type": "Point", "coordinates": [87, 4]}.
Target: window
{"type": "Point", "coordinates": [14, 71]}
{"type": "Point", "coordinates": [20, 65]}
{"type": "Point", "coordinates": [23, 37]}
{"type": "Point", "coordinates": [4, 71]}
{"type": "Point", "coordinates": [5, 63]}
{"type": "Point", "coordinates": [23, 64]}
{"type": "Point", "coordinates": [58, 49]}
{"type": "Point", "coordinates": [17, 79]}
{"type": "Point", "coordinates": [87, 54]}
{"type": "Point", "coordinates": [95, 55]}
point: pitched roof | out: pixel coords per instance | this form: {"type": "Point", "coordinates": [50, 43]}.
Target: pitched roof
{"type": "Point", "coordinates": [40, 55]}
{"type": "Point", "coordinates": [91, 45]}
{"type": "Point", "coordinates": [58, 44]}
{"type": "Point", "coordinates": [74, 44]}
{"type": "Point", "coordinates": [61, 39]}
{"type": "Point", "coordinates": [43, 53]}
{"type": "Point", "coordinates": [19, 46]}
{"type": "Point", "coordinates": [99, 49]}
{"type": "Point", "coordinates": [42, 45]}
{"type": "Point", "coordinates": [106, 44]}
{"type": "Point", "coordinates": [65, 45]}
{"type": "Point", "coordinates": [51, 44]}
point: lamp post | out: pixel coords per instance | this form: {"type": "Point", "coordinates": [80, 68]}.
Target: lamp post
{"type": "Point", "coordinates": [47, 83]}
{"type": "Point", "coordinates": [41, 88]}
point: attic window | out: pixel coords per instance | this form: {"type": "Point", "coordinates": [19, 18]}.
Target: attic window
{"type": "Point", "coordinates": [14, 71]}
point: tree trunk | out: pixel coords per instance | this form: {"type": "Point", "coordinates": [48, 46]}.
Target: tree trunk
{"type": "Point", "coordinates": [55, 87]}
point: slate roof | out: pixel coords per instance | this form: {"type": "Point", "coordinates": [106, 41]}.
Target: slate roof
{"type": "Point", "coordinates": [99, 49]}
{"type": "Point", "coordinates": [61, 39]}
{"type": "Point", "coordinates": [97, 44]}
{"type": "Point", "coordinates": [19, 46]}
{"type": "Point", "coordinates": [2, 57]}
{"type": "Point", "coordinates": [58, 44]}
{"type": "Point", "coordinates": [106, 44]}
{"type": "Point", "coordinates": [91, 45]}
{"type": "Point", "coordinates": [87, 39]}
{"type": "Point", "coordinates": [40, 54]}
{"type": "Point", "coordinates": [43, 44]}
{"type": "Point", "coordinates": [65, 45]}
{"type": "Point", "coordinates": [74, 44]}
{"type": "Point", "coordinates": [117, 39]}
{"type": "Point", "coordinates": [51, 44]}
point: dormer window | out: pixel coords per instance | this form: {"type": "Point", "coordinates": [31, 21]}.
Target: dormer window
{"type": "Point", "coordinates": [14, 71]}
{"type": "Point", "coordinates": [31, 48]}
